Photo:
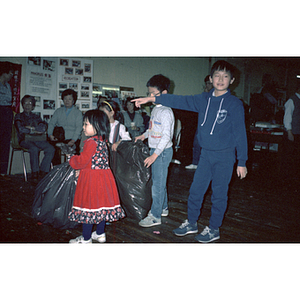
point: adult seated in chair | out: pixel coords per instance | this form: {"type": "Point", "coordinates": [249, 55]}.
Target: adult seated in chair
{"type": "Point", "coordinates": [70, 119]}
{"type": "Point", "coordinates": [32, 136]}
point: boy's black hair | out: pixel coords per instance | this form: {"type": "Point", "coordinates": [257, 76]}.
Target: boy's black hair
{"type": "Point", "coordinates": [32, 99]}
{"type": "Point", "coordinates": [68, 92]}
{"type": "Point", "coordinates": [222, 65]}
{"type": "Point", "coordinates": [160, 82]}
{"type": "Point", "coordinates": [99, 120]}
{"type": "Point", "coordinates": [6, 67]}
{"type": "Point", "coordinates": [112, 105]}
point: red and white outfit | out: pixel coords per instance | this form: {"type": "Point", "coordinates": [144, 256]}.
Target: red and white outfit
{"type": "Point", "coordinates": [96, 197]}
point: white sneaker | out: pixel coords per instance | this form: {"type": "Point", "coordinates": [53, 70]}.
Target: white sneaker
{"type": "Point", "coordinates": [165, 212]}
{"type": "Point", "coordinates": [149, 221]}
{"type": "Point", "coordinates": [176, 161]}
{"type": "Point", "coordinates": [191, 167]}
{"type": "Point", "coordinates": [80, 240]}
{"type": "Point", "coordinates": [99, 238]}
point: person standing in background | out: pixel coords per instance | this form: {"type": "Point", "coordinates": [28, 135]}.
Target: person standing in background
{"type": "Point", "coordinates": [6, 114]}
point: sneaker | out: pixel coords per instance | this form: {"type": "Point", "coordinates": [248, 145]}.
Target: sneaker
{"type": "Point", "coordinates": [149, 221]}
{"type": "Point", "coordinates": [176, 161]}
{"type": "Point", "coordinates": [186, 228]}
{"type": "Point", "coordinates": [208, 235]}
{"type": "Point", "coordinates": [80, 240]}
{"type": "Point", "coordinates": [101, 238]}
{"type": "Point", "coordinates": [191, 167]}
{"type": "Point", "coordinates": [165, 212]}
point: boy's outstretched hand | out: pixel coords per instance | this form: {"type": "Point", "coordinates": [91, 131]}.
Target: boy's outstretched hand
{"type": "Point", "coordinates": [140, 101]}
{"type": "Point", "coordinates": [241, 172]}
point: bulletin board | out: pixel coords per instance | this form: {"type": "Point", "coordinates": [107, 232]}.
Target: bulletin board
{"type": "Point", "coordinates": [48, 77]}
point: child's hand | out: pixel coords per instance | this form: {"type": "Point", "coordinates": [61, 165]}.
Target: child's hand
{"type": "Point", "coordinates": [150, 160]}
{"type": "Point", "coordinates": [140, 101]}
{"type": "Point", "coordinates": [140, 137]}
{"type": "Point", "coordinates": [115, 146]}
{"type": "Point", "coordinates": [241, 172]}
{"type": "Point", "coordinates": [77, 173]}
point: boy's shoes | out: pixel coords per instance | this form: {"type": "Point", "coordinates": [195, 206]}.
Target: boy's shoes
{"type": "Point", "coordinates": [191, 167]}
{"type": "Point", "coordinates": [100, 238]}
{"type": "Point", "coordinates": [80, 240]}
{"type": "Point", "coordinates": [165, 212]}
{"type": "Point", "coordinates": [149, 221]}
{"type": "Point", "coordinates": [208, 235]}
{"type": "Point", "coordinates": [186, 228]}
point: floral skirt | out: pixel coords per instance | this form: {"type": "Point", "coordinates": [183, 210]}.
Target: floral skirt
{"type": "Point", "coordinates": [96, 216]}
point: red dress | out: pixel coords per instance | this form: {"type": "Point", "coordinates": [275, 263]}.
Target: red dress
{"type": "Point", "coordinates": [96, 197]}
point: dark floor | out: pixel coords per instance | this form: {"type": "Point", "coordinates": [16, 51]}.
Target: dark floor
{"type": "Point", "coordinates": [262, 208]}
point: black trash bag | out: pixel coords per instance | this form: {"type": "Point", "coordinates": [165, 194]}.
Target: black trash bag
{"type": "Point", "coordinates": [132, 178]}
{"type": "Point", "coordinates": [54, 196]}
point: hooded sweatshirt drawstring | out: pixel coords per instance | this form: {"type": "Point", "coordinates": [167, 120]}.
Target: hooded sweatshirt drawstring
{"type": "Point", "coordinates": [211, 132]}
{"type": "Point", "coordinates": [206, 111]}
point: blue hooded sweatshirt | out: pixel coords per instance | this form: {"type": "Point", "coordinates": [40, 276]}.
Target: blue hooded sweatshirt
{"type": "Point", "coordinates": [221, 121]}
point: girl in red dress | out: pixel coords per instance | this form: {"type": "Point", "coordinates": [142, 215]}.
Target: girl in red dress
{"type": "Point", "coordinates": [96, 199]}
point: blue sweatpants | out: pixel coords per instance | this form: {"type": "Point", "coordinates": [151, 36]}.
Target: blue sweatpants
{"type": "Point", "coordinates": [215, 167]}
{"type": "Point", "coordinates": [87, 229]}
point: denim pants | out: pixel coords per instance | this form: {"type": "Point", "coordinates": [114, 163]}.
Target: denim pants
{"type": "Point", "coordinates": [215, 167]}
{"type": "Point", "coordinates": [33, 149]}
{"type": "Point", "coordinates": [159, 173]}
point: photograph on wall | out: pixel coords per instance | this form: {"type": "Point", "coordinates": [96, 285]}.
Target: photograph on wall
{"type": "Point", "coordinates": [47, 118]}
{"type": "Point", "coordinates": [78, 71]}
{"type": "Point", "coordinates": [87, 68]}
{"type": "Point", "coordinates": [84, 94]}
{"type": "Point", "coordinates": [69, 71]}
{"type": "Point", "coordinates": [85, 87]}
{"type": "Point", "coordinates": [37, 101]}
{"type": "Point", "coordinates": [63, 85]}
{"type": "Point", "coordinates": [73, 86]}
{"type": "Point", "coordinates": [49, 65]}
{"type": "Point", "coordinates": [34, 61]}
{"type": "Point", "coordinates": [85, 105]}
{"type": "Point", "coordinates": [49, 104]}
{"type": "Point", "coordinates": [76, 63]}
{"type": "Point", "coordinates": [64, 62]}
{"type": "Point", "coordinates": [87, 79]}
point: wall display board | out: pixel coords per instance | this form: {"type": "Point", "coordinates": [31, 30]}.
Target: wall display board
{"type": "Point", "coordinates": [76, 74]}
{"type": "Point", "coordinates": [41, 82]}
{"type": "Point", "coordinates": [48, 77]}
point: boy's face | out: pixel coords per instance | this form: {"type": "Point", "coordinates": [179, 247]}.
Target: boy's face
{"type": "Point", "coordinates": [221, 80]}
{"type": "Point", "coordinates": [153, 92]}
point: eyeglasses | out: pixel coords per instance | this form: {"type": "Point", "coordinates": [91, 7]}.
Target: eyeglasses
{"type": "Point", "coordinates": [152, 95]}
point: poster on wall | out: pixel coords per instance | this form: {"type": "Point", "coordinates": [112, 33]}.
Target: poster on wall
{"type": "Point", "coordinates": [15, 84]}
{"type": "Point", "coordinates": [76, 74]}
{"type": "Point", "coordinates": [41, 83]}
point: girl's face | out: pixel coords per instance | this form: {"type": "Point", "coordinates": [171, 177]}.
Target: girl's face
{"type": "Point", "coordinates": [68, 101]}
{"type": "Point", "coordinates": [88, 129]}
{"type": "Point", "coordinates": [110, 114]}
{"type": "Point", "coordinates": [130, 106]}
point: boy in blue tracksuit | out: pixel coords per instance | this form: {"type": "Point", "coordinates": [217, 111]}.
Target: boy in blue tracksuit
{"type": "Point", "coordinates": [222, 136]}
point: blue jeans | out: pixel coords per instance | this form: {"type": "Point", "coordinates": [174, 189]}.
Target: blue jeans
{"type": "Point", "coordinates": [159, 172]}
{"type": "Point", "coordinates": [215, 167]}
{"type": "Point", "coordinates": [33, 149]}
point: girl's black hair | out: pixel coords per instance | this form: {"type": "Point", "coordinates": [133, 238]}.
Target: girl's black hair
{"type": "Point", "coordinates": [110, 105]}
{"type": "Point", "coordinates": [99, 120]}
{"type": "Point", "coordinates": [129, 100]}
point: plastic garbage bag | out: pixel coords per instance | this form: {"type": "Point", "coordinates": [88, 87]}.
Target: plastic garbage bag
{"type": "Point", "coordinates": [132, 178]}
{"type": "Point", "coordinates": [54, 196]}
